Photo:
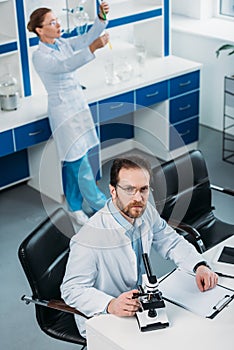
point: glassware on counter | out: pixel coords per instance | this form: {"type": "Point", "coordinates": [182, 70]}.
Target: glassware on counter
{"type": "Point", "coordinates": [141, 57]}
{"type": "Point", "coordinates": [9, 93]}
{"type": "Point", "coordinates": [80, 19]}
{"type": "Point", "coordinates": [124, 69]}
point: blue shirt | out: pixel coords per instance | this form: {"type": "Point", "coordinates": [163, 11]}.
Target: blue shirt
{"type": "Point", "coordinates": [133, 232]}
{"type": "Point", "coordinates": [53, 46]}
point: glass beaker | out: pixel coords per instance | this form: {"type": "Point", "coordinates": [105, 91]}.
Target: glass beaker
{"type": "Point", "coordinates": [110, 73]}
{"type": "Point", "coordinates": [124, 69]}
{"type": "Point", "coordinates": [80, 20]}
{"type": "Point", "coordinates": [141, 57]}
{"type": "Point", "coordinates": [9, 92]}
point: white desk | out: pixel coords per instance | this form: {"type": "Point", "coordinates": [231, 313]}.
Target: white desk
{"type": "Point", "coordinates": [186, 331]}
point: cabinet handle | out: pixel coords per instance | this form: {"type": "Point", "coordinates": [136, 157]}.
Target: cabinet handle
{"type": "Point", "coordinates": [35, 132]}
{"type": "Point", "coordinates": [184, 108]}
{"type": "Point", "coordinates": [153, 94]}
{"type": "Point", "coordinates": [185, 133]}
{"type": "Point", "coordinates": [185, 83]}
{"type": "Point", "coordinates": [117, 106]}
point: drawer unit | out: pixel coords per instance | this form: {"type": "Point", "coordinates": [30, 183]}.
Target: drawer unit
{"type": "Point", "coordinates": [14, 168]}
{"type": "Point", "coordinates": [184, 83]}
{"type": "Point", "coordinates": [184, 133]}
{"type": "Point", "coordinates": [32, 133]}
{"type": "Point", "coordinates": [6, 143]}
{"type": "Point", "coordinates": [93, 108]}
{"type": "Point", "coordinates": [94, 160]}
{"type": "Point", "coordinates": [116, 106]}
{"type": "Point", "coordinates": [228, 120]}
{"type": "Point", "coordinates": [149, 95]}
{"type": "Point", "coordinates": [119, 129]}
{"type": "Point", "coordinates": [184, 107]}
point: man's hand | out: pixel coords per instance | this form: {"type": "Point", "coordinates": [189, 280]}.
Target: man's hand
{"type": "Point", "coordinates": [205, 278]}
{"type": "Point", "coordinates": [124, 305]}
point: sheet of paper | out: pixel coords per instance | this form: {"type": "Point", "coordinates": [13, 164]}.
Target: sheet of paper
{"type": "Point", "coordinates": [181, 288]}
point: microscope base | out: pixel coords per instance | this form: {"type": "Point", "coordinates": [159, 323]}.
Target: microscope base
{"type": "Point", "coordinates": [147, 323]}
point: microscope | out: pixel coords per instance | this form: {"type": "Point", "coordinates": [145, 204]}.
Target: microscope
{"type": "Point", "coordinates": [152, 315]}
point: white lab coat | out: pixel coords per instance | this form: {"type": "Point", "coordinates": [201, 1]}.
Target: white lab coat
{"type": "Point", "coordinates": [102, 263]}
{"type": "Point", "coordinates": [70, 118]}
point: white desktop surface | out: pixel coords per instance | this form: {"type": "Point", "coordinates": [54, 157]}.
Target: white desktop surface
{"type": "Point", "coordinates": [186, 331]}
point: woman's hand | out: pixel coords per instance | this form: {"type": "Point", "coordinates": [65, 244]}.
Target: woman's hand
{"type": "Point", "coordinates": [99, 42]}
{"type": "Point", "coordinates": [103, 10]}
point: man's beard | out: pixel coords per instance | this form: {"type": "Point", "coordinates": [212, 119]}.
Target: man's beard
{"type": "Point", "coordinates": [133, 210]}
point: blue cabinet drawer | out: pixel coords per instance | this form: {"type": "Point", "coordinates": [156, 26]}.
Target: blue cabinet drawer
{"type": "Point", "coordinates": [184, 133]}
{"type": "Point", "coordinates": [6, 143]}
{"type": "Point", "coordinates": [94, 160]}
{"type": "Point", "coordinates": [184, 83]}
{"type": "Point", "coordinates": [151, 94]}
{"type": "Point", "coordinates": [32, 133]}
{"type": "Point", "coordinates": [14, 168]}
{"type": "Point", "coordinates": [119, 129]}
{"type": "Point", "coordinates": [93, 109]}
{"type": "Point", "coordinates": [116, 106]}
{"type": "Point", "coordinates": [184, 107]}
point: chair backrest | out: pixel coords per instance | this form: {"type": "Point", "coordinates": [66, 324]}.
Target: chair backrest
{"type": "Point", "coordinates": [43, 256]}
{"type": "Point", "coordinates": [182, 188]}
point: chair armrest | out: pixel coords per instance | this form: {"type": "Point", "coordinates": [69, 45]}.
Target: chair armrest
{"type": "Point", "coordinates": [185, 227]}
{"type": "Point", "coordinates": [53, 304]}
{"type": "Point", "coordinates": [223, 190]}
{"type": "Point", "coordinates": [182, 228]}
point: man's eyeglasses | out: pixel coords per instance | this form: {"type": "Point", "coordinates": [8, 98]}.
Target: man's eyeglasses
{"type": "Point", "coordinates": [53, 23]}
{"type": "Point", "coordinates": [131, 191]}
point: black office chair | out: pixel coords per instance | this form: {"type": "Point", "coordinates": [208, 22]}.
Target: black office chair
{"type": "Point", "coordinates": [43, 256]}
{"type": "Point", "coordinates": [182, 195]}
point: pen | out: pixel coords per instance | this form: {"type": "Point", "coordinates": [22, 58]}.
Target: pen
{"type": "Point", "coordinates": [223, 275]}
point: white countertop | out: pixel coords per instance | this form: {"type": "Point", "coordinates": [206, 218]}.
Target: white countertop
{"type": "Point", "coordinates": [30, 109]}
{"type": "Point", "coordinates": [92, 76]}
{"type": "Point", "coordinates": [155, 70]}
{"type": "Point", "coordinates": [186, 330]}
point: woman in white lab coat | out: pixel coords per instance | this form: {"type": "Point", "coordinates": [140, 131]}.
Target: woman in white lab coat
{"type": "Point", "coordinates": [56, 61]}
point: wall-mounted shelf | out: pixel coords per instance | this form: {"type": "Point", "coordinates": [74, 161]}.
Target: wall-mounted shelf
{"type": "Point", "coordinates": [228, 120]}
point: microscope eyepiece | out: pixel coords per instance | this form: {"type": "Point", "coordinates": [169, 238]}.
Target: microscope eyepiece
{"type": "Point", "coordinates": [151, 278]}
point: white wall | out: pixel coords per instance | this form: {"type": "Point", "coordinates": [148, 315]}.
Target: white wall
{"type": "Point", "coordinates": [202, 49]}
{"type": "Point", "coordinates": [197, 33]}
{"type": "Point", "coordinates": [199, 9]}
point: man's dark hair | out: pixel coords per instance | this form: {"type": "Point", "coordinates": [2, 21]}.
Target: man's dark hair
{"type": "Point", "coordinates": [131, 162]}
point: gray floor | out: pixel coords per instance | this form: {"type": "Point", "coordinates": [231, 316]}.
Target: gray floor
{"type": "Point", "coordinates": [21, 209]}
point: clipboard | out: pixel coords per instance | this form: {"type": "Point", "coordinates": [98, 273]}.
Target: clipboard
{"type": "Point", "coordinates": [180, 288]}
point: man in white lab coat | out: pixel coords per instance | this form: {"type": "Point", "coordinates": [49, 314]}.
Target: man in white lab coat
{"type": "Point", "coordinates": [105, 262]}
